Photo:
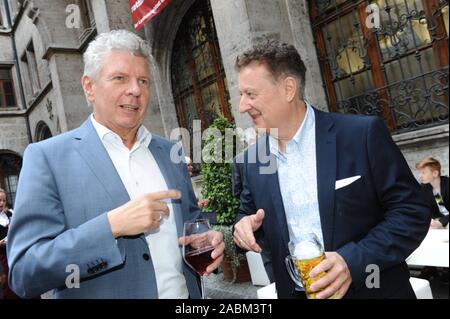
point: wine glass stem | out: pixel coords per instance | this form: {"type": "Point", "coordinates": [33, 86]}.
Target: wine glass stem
{"type": "Point", "coordinates": [202, 283]}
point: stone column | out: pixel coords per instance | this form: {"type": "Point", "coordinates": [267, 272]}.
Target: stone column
{"type": "Point", "coordinates": [240, 24]}
{"type": "Point", "coordinates": [303, 39]}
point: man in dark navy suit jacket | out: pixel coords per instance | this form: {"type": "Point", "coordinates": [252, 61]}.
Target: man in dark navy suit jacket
{"type": "Point", "coordinates": [337, 175]}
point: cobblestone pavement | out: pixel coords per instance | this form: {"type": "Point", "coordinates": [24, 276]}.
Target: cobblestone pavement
{"type": "Point", "coordinates": [219, 288]}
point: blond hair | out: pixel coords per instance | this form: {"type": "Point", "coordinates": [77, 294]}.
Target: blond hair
{"type": "Point", "coordinates": [430, 162]}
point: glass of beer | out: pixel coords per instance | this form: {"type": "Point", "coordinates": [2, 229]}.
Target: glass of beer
{"type": "Point", "coordinates": [305, 254]}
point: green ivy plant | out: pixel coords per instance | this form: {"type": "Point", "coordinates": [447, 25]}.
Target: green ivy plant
{"type": "Point", "coordinates": [216, 171]}
{"type": "Point", "coordinates": [217, 186]}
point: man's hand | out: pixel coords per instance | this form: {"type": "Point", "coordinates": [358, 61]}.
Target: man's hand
{"type": "Point", "coordinates": [199, 240]}
{"type": "Point", "coordinates": [202, 203]}
{"type": "Point", "coordinates": [337, 279]}
{"type": "Point", "coordinates": [436, 224]}
{"type": "Point", "coordinates": [217, 253]}
{"type": "Point", "coordinates": [3, 241]}
{"type": "Point", "coordinates": [243, 231]}
{"type": "Point", "coordinates": [141, 214]}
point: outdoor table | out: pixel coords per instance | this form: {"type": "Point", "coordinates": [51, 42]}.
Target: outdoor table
{"type": "Point", "coordinates": [433, 251]}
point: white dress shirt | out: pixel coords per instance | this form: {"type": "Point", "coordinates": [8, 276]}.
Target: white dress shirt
{"type": "Point", "coordinates": [4, 220]}
{"type": "Point", "coordinates": [141, 174]}
{"type": "Point", "coordinates": [297, 176]}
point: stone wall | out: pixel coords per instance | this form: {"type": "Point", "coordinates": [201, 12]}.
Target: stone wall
{"type": "Point", "coordinates": [240, 24]}
{"type": "Point", "coordinates": [417, 145]}
{"type": "Point", "coordinates": [13, 134]}
{"type": "Point", "coordinates": [44, 111]}
{"type": "Point", "coordinates": [6, 52]}
{"type": "Point", "coordinates": [69, 101]}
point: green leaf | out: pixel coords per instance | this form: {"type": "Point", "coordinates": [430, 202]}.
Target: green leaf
{"type": "Point", "coordinates": [217, 183]}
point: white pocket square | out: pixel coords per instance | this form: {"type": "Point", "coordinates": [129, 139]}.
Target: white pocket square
{"type": "Point", "coordinates": [346, 181]}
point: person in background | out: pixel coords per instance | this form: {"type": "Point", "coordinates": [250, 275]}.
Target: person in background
{"type": "Point", "coordinates": [5, 220]}
{"type": "Point", "coordinates": [436, 190]}
{"type": "Point", "coordinates": [435, 187]}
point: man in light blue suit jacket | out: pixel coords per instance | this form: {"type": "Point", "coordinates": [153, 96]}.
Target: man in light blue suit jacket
{"type": "Point", "coordinates": [86, 223]}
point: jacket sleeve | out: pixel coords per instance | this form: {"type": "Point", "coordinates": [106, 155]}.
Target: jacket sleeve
{"type": "Point", "coordinates": [246, 205]}
{"type": "Point", "coordinates": [444, 220]}
{"type": "Point", "coordinates": [42, 251]}
{"type": "Point", "coordinates": [405, 209]}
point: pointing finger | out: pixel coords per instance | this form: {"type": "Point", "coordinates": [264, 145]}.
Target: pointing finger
{"type": "Point", "coordinates": [168, 194]}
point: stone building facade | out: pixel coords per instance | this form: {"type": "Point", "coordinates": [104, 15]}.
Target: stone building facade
{"type": "Point", "coordinates": [42, 42]}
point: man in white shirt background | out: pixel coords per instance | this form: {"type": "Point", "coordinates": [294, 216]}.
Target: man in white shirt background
{"type": "Point", "coordinates": [106, 198]}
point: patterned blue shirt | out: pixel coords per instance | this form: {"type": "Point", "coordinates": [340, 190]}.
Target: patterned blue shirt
{"type": "Point", "coordinates": [297, 176]}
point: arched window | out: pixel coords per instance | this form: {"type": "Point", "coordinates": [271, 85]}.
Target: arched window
{"type": "Point", "coordinates": [198, 79]}
{"type": "Point", "coordinates": [10, 165]}
{"type": "Point", "coordinates": [42, 132]}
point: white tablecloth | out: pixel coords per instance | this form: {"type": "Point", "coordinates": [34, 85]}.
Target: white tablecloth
{"type": "Point", "coordinates": [434, 250]}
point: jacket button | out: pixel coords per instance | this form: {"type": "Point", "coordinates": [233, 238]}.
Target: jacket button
{"type": "Point", "coordinates": [146, 256]}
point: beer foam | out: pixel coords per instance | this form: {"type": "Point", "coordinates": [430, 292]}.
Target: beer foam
{"type": "Point", "coordinates": [306, 250]}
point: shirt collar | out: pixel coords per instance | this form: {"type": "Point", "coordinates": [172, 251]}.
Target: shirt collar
{"type": "Point", "coordinates": [4, 220]}
{"type": "Point", "coordinates": [143, 136]}
{"type": "Point", "coordinates": [307, 124]}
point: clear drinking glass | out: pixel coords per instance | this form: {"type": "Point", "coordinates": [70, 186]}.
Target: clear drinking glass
{"type": "Point", "coordinates": [197, 247]}
{"type": "Point", "coordinates": [305, 254]}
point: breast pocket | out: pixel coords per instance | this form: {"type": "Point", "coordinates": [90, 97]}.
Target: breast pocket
{"type": "Point", "coordinates": [351, 200]}
{"type": "Point", "coordinates": [352, 186]}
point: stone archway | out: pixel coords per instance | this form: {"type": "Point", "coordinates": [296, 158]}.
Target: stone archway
{"type": "Point", "coordinates": [160, 34]}
{"type": "Point", "coordinates": [199, 83]}
{"type": "Point", "coordinates": [42, 132]}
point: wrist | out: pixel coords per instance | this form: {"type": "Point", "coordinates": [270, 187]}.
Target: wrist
{"type": "Point", "coordinates": [114, 222]}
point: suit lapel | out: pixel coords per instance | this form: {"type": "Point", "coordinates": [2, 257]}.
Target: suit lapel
{"type": "Point", "coordinates": [273, 185]}
{"type": "Point", "coordinates": [94, 153]}
{"type": "Point", "coordinates": [162, 158]}
{"type": "Point", "coordinates": [279, 207]}
{"type": "Point", "coordinates": [326, 174]}
{"type": "Point", "coordinates": [91, 149]}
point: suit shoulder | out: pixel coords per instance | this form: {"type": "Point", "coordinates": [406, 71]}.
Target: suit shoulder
{"type": "Point", "coordinates": [164, 142]}
{"type": "Point", "coordinates": [55, 141]}
{"type": "Point", "coordinates": [354, 119]}
{"type": "Point", "coordinates": [357, 124]}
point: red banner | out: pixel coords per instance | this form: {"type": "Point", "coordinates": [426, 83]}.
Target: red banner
{"type": "Point", "coordinates": [143, 10]}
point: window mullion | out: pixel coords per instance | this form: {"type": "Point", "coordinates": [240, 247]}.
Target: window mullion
{"type": "Point", "coordinates": [376, 68]}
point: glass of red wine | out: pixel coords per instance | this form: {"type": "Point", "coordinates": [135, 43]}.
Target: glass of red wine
{"type": "Point", "coordinates": [197, 247]}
